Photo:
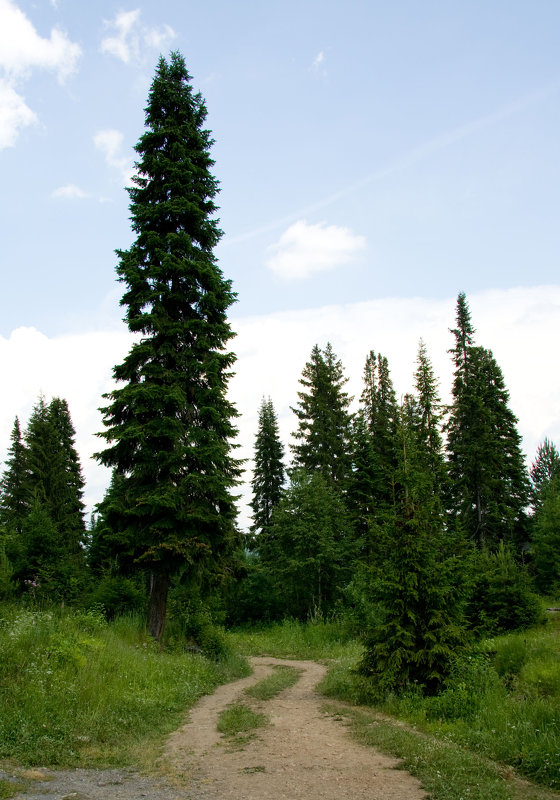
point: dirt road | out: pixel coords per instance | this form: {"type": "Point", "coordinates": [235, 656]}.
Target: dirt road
{"type": "Point", "coordinates": [302, 753]}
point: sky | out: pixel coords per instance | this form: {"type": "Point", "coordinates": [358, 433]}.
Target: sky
{"type": "Point", "coordinates": [375, 159]}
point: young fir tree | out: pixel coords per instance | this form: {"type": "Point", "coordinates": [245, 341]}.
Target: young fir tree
{"type": "Point", "coordinates": [417, 582]}
{"type": "Point", "coordinates": [323, 433]}
{"type": "Point", "coordinates": [14, 496]}
{"type": "Point", "coordinates": [487, 476]}
{"type": "Point", "coordinates": [268, 473]}
{"type": "Point", "coordinates": [169, 423]}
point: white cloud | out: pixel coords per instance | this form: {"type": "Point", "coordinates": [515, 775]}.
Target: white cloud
{"type": "Point", "coordinates": [130, 36]}
{"type": "Point", "coordinates": [516, 324]}
{"type": "Point", "coordinates": [22, 49]}
{"type": "Point", "coordinates": [304, 249]}
{"type": "Point", "coordinates": [14, 115]}
{"type": "Point", "coordinates": [318, 65]}
{"type": "Point", "coordinates": [110, 143]}
{"type": "Point", "coordinates": [70, 191]}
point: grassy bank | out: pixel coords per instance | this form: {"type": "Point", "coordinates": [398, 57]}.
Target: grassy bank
{"type": "Point", "coordinates": [75, 690]}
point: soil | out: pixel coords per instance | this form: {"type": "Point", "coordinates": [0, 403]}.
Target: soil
{"type": "Point", "coordinates": [302, 753]}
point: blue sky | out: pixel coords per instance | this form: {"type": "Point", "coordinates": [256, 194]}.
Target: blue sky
{"type": "Point", "coordinates": [390, 154]}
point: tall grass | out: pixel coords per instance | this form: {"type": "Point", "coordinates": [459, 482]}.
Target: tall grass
{"type": "Point", "coordinates": [75, 690]}
{"type": "Point", "coordinates": [319, 640]}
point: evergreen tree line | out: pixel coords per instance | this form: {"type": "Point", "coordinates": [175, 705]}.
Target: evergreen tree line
{"type": "Point", "coordinates": [413, 520]}
{"type": "Point", "coordinates": [419, 520]}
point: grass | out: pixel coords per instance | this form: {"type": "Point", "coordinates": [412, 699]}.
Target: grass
{"type": "Point", "coordinates": [76, 691]}
{"type": "Point", "coordinates": [238, 723]}
{"type": "Point", "coordinates": [446, 770]}
{"type": "Point", "coordinates": [9, 788]}
{"type": "Point", "coordinates": [281, 678]}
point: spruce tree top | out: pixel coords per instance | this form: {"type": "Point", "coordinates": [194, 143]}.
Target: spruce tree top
{"type": "Point", "coordinates": [169, 423]}
{"type": "Point", "coordinates": [172, 211]}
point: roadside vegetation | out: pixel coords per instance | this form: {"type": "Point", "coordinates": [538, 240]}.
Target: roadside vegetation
{"type": "Point", "coordinates": [78, 691]}
{"type": "Point", "coordinates": [499, 710]}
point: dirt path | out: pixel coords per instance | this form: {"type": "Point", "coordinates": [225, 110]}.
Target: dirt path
{"type": "Point", "coordinates": [302, 753]}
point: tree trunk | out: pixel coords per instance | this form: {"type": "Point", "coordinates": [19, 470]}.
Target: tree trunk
{"type": "Point", "coordinates": [157, 605]}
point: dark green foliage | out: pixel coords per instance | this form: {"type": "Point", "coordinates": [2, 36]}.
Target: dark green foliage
{"type": "Point", "coordinates": [366, 489]}
{"type": "Point", "coordinates": [14, 495]}
{"type": "Point", "coordinates": [268, 472]}
{"type": "Point", "coordinates": [488, 479]}
{"type": "Point", "coordinates": [323, 432]}
{"type": "Point", "coordinates": [544, 469]}
{"type": "Point", "coordinates": [417, 582]}
{"type": "Point", "coordinates": [7, 587]}
{"type": "Point", "coordinates": [67, 505]}
{"type": "Point", "coordinates": [117, 595]}
{"type": "Point", "coordinates": [42, 508]}
{"type": "Point", "coordinates": [428, 419]}
{"type": "Point", "coordinates": [169, 423]}
{"type": "Point", "coordinates": [381, 415]}
{"type": "Point", "coordinates": [257, 597]}
{"type": "Point", "coordinates": [545, 546]}
{"type": "Point", "coordinates": [501, 598]}
{"type": "Point", "coordinates": [308, 549]}
{"type": "Point", "coordinates": [370, 494]}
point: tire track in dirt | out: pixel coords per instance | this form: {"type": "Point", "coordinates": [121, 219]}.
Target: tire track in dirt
{"type": "Point", "coordinates": [303, 753]}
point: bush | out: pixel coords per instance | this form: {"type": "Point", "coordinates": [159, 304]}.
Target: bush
{"type": "Point", "coordinates": [118, 596]}
{"type": "Point", "coordinates": [190, 626]}
{"type": "Point", "coordinates": [471, 681]}
{"type": "Point", "coordinates": [501, 599]}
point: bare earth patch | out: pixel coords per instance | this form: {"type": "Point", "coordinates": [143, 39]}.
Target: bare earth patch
{"type": "Point", "coordinates": [302, 753]}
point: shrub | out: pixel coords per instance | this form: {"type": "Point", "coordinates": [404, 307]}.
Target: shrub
{"type": "Point", "coordinates": [471, 681]}
{"type": "Point", "coordinates": [501, 598]}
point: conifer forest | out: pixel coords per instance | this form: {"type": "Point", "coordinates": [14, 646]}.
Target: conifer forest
{"type": "Point", "coordinates": [418, 523]}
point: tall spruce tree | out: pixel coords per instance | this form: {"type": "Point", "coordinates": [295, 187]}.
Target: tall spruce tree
{"type": "Point", "coordinates": [268, 473]}
{"type": "Point", "coordinates": [370, 496]}
{"type": "Point", "coordinates": [169, 424]}
{"type": "Point", "coordinates": [323, 432]}
{"type": "Point", "coordinates": [488, 478]}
